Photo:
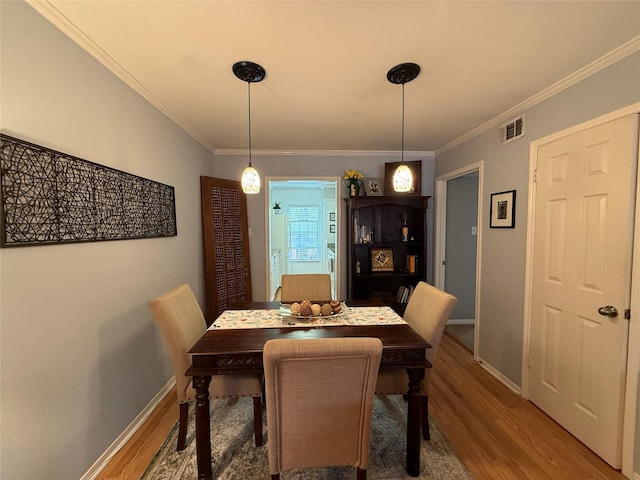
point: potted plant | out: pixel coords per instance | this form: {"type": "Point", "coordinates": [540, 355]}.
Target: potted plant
{"type": "Point", "coordinates": [276, 208]}
{"type": "Point", "coordinates": [352, 180]}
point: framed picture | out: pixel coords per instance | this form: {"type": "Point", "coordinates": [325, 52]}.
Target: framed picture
{"type": "Point", "coordinates": [503, 210]}
{"type": "Point", "coordinates": [332, 216]}
{"type": "Point", "coordinates": [373, 186]}
{"type": "Point", "coordinates": [332, 228]}
{"type": "Point", "coordinates": [416, 172]}
{"type": "Point", "coordinates": [381, 260]}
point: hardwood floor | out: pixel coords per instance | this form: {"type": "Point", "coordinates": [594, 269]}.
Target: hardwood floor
{"type": "Point", "coordinates": [497, 433]}
{"type": "Point", "coordinates": [463, 334]}
{"type": "Point", "coordinates": [132, 459]}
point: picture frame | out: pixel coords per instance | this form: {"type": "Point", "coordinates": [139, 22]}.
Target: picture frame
{"type": "Point", "coordinates": [332, 216]}
{"type": "Point", "coordinates": [381, 260]}
{"type": "Point", "coordinates": [373, 187]}
{"type": "Point", "coordinates": [416, 171]}
{"type": "Point", "coordinates": [332, 228]}
{"type": "Point", "coordinates": [503, 210]}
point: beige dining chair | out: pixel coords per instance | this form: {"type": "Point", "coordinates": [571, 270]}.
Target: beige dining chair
{"type": "Point", "coordinates": [319, 402]}
{"type": "Point", "coordinates": [306, 286]}
{"type": "Point", "coordinates": [181, 322]}
{"type": "Point", "coordinates": [427, 312]}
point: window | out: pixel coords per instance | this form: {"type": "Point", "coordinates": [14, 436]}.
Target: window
{"type": "Point", "coordinates": [305, 233]}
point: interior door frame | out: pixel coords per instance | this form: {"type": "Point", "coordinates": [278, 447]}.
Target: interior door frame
{"type": "Point", "coordinates": [439, 253]}
{"type": "Point", "coordinates": [633, 348]}
{"type": "Point", "coordinates": [340, 237]}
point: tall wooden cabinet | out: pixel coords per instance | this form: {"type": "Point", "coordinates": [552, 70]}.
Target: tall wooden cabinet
{"type": "Point", "coordinates": [380, 259]}
{"type": "Point", "coordinates": [225, 230]}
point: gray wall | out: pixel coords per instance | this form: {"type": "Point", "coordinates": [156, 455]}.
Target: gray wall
{"type": "Point", "coordinates": [461, 244]}
{"type": "Point", "coordinates": [80, 353]}
{"type": "Point", "coordinates": [506, 168]}
{"type": "Point", "coordinates": [308, 166]}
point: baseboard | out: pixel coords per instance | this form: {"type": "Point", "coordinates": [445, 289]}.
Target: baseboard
{"type": "Point", "coordinates": [499, 376]}
{"type": "Point", "coordinates": [636, 476]}
{"type": "Point", "coordinates": [133, 427]}
{"type": "Point", "coordinates": [461, 321]}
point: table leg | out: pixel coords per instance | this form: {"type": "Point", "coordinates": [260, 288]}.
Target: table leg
{"type": "Point", "coordinates": [203, 428]}
{"type": "Point", "coordinates": [414, 421]}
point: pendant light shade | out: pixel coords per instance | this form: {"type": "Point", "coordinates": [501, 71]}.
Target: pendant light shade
{"type": "Point", "coordinates": [401, 74]}
{"type": "Point", "coordinates": [402, 179]}
{"type": "Point", "coordinates": [249, 72]}
{"type": "Point", "coordinates": [251, 180]}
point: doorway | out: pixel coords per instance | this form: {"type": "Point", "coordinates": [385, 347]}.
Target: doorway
{"type": "Point", "coordinates": [303, 232]}
{"type": "Point", "coordinates": [457, 250]}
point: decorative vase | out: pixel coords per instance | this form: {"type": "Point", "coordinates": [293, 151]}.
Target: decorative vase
{"type": "Point", "coordinates": [353, 186]}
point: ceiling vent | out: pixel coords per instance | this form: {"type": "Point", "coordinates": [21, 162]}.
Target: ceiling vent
{"type": "Point", "coordinates": [512, 130]}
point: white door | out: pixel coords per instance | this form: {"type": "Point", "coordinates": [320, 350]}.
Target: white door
{"type": "Point", "coordinates": [584, 209]}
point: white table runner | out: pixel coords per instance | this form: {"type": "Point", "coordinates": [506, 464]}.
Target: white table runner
{"type": "Point", "coordinates": [233, 319]}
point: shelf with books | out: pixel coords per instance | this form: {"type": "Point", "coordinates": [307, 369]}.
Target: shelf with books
{"type": "Point", "coordinates": [387, 248]}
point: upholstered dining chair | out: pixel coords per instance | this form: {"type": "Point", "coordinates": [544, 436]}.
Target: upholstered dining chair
{"type": "Point", "coordinates": [427, 312]}
{"type": "Point", "coordinates": [182, 323]}
{"type": "Point", "coordinates": [319, 402]}
{"type": "Point", "coordinates": [305, 286]}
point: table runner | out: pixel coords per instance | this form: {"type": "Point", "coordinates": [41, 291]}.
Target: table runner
{"type": "Point", "coordinates": [272, 318]}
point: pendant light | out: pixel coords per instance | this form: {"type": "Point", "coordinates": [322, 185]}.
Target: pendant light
{"type": "Point", "coordinates": [249, 72]}
{"type": "Point", "coordinates": [401, 74]}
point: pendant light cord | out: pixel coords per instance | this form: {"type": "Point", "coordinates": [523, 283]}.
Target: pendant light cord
{"type": "Point", "coordinates": [402, 142]}
{"type": "Point", "coordinates": [249, 96]}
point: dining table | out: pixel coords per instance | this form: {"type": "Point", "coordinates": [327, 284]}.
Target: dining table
{"type": "Point", "coordinates": [233, 345]}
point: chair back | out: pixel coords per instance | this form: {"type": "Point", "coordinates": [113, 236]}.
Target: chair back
{"type": "Point", "coordinates": [182, 323]}
{"type": "Point", "coordinates": [427, 312]}
{"type": "Point", "coordinates": [308, 286]}
{"type": "Point", "coordinates": [319, 401]}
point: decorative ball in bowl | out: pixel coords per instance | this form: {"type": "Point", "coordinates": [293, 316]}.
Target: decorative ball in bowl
{"type": "Point", "coordinates": [309, 309]}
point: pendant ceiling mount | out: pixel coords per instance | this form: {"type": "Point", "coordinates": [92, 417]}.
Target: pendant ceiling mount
{"type": "Point", "coordinates": [399, 75]}
{"type": "Point", "coordinates": [403, 73]}
{"type": "Point", "coordinates": [249, 72]}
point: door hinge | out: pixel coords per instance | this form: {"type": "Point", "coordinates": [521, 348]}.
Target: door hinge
{"type": "Point", "coordinates": [535, 176]}
{"type": "Point", "coordinates": [528, 360]}
{"type": "Point", "coordinates": [627, 314]}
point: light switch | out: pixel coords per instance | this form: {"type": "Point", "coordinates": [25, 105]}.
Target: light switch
{"type": "Point", "coordinates": [474, 230]}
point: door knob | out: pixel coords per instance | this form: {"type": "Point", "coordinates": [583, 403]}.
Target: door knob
{"type": "Point", "coordinates": [608, 311]}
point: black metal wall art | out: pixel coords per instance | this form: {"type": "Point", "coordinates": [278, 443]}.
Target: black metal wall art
{"type": "Point", "coordinates": [49, 197]}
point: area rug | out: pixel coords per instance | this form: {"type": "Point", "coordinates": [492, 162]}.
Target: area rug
{"type": "Point", "coordinates": [235, 456]}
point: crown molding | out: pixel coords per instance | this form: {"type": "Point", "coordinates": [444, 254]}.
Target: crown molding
{"type": "Point", "coordinates": [325, 153]}
{"type": "Point", "coordinates": [66, 26]}
{"type": "Point", "coordinates": [58, 19]}
{"type": "Point", "coordinates": [601, 63]}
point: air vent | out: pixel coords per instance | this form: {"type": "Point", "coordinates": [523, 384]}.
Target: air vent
{"type": "Point", "coordinates": [512, 130]}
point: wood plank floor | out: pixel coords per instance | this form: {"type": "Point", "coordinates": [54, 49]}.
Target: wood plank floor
{"type": "Point", "coordinates": [132, 459]}
{"type": "Point", "coordinates": [497, 433]}
{"type": "Point", "coordinates": [462, 333]}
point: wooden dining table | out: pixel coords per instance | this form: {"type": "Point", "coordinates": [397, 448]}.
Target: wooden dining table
{"type": "Point", "coordinates": [239, 351]}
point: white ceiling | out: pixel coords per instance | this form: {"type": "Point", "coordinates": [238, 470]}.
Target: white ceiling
{"type": "Point", "coordinates": [326, 63]}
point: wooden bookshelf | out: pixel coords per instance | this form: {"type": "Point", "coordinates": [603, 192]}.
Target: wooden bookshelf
{"type": "Point", "coordinates": [374, 233]}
